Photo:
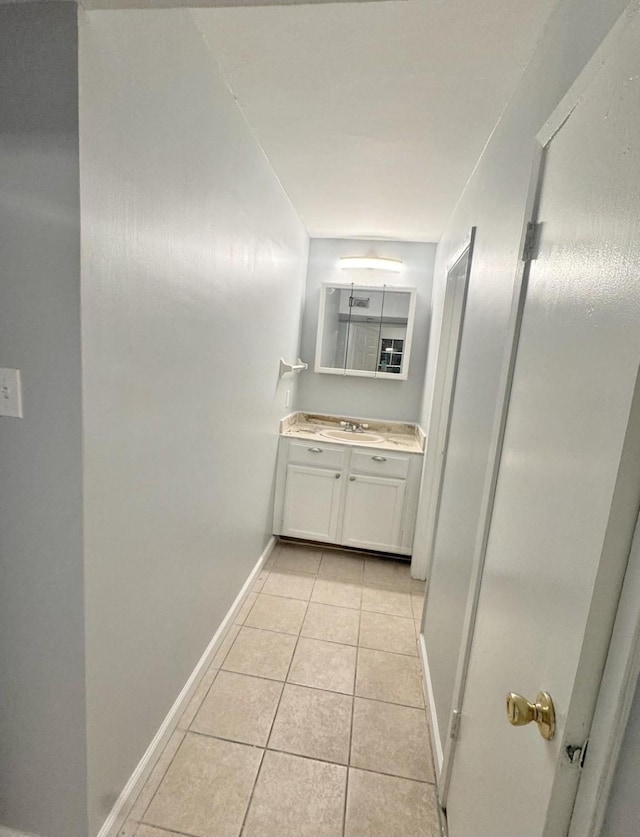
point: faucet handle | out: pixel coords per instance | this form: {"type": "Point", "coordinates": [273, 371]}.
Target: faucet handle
{"type": "Point", "coordinates": [364, 426]}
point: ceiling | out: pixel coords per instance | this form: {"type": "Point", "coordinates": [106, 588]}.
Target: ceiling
{"type": "Point", "coordinates": [373, 115]}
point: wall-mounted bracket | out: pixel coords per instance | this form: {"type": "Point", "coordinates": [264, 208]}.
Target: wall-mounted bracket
{"type": "Point", "coordinates": [291, 367]}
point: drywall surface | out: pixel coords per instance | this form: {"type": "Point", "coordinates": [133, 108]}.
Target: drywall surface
{"type": "Point", "coordinates": [366, 397]}
{"type": "Point", "coordinates": [42, 713]}
{"type": "Point", "coordinates": [193, 266]}
{"type": "Point", "coordinates": [494, 200]}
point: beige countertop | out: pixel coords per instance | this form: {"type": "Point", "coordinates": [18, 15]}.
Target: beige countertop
{"type": "Point", "coordinates": [394, 435]}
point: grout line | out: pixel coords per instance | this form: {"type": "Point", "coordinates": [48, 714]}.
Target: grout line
{"type": "Point", "coordinates": [250, 800]}
{"type": "Point", "coordinates": [166, 770]}
{"type": "Point", "coordinates": [392, 775]}
{"type": "Point", "coordinates": [168, 830]}
{"type": "Point", "coordinates": [259, 771]}
{"type": "Point", "coordinates": [273, 720]}
{"type": "Point", "coordinates": [353, 702]}
{"type": "Point", "coordinates": [309, 758]}
{"type": "Point", "coordinates": [285, 682]}
{"type": "Point", "coordinates": [308, 686]}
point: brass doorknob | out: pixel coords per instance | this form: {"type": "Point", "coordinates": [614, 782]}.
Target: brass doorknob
{"type": "Point", "coordinates": [520, 712]}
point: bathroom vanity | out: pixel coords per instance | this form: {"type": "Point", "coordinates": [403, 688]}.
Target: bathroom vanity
{"type": "Point", "coordinates": [350, 481]}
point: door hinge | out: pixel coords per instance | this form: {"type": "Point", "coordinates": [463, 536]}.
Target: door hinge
{"type": "Point", "coordinates": [454, 727]}
{"type": "Point", "coordinates": [577, 754]}
{"type": "Point", "coordinates": [530, 246]}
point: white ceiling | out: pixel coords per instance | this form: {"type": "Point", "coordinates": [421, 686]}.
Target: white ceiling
{"type": "Point", "coordinates": [374, 114]}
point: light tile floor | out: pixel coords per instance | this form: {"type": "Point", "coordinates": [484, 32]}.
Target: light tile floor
{"type": "Point", "coordinates": [311, 719]}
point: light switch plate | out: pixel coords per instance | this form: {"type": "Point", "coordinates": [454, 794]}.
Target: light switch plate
{"type": "Point", "coordinates": [10, 393]}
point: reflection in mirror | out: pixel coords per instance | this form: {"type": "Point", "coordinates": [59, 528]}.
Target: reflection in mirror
{"type": "Point", "coordinates": [393, 332]}
{"type": "Point", "coordinates": [364, 330]}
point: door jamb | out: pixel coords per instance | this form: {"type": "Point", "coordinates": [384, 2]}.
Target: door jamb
{"type": "Point", "coordinates": [491, 477]}
{"type": "Point", "coordinates": [441, 408]}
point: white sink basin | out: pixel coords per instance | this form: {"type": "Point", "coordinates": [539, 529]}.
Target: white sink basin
{"type": "Point", "coordinates": [363, 438]}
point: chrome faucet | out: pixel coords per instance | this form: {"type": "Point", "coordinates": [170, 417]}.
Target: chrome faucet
{"type": "Point", "coordinates": [353, 426]}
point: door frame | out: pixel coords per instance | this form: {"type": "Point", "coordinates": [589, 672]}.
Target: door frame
{"type": "Point", "coordinates": [616, 647]}
{"type": "Point", "coordinates": [450, 340]}
{"type": "Point", "coordinates": [526, 251]}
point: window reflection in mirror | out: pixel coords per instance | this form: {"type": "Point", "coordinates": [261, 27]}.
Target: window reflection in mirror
{"type": "Point", "coordinates": [365, 330]}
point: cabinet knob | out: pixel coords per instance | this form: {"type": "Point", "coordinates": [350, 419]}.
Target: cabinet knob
{"type": "Point", "coordinates": [379, 458]}
{"type": "Point", "coordinates": [352, 479]}
{"type": "Point", "coordinates": [337, 476]}
{"type": "Point", "coordinates": [314, 450]}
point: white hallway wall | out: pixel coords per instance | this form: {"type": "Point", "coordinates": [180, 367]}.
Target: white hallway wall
{"type": "Point", "coordinates": [193, 265]}
{"type": "Point", "coordinates": [494, 201]}
{"type": "Point", "coordinates": [42, 703]}
{"type": "Point", "coordinates": [366, 397]}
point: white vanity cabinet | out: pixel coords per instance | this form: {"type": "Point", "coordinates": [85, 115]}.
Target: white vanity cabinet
{"type": "Point", "coordinates": [347, 494]}
{"type": "Point", "coordinates": [312, 492]}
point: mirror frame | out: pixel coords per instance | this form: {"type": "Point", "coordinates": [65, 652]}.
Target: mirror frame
{"type": "Point", "coordinates": [361, 373]}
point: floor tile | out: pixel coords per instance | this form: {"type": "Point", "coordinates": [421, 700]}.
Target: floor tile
{"type": "Point", "coordinates": [388, 572]}
{"type": "Point", "coordinates": [288, 584]}
{"type": "Point", "coordinates": [240, 708]}
{"type": "Point", "coordinates": [207, 788]}
{"type": "Point", "coordinates": [277, 613]}
{"type": "Point", "coordinates": [245, 609]}
{"type": "Point", "coordinates": [334, 624]}
{"type": "Point", "coordinates": [384, 806]}
{"type": "Point", "coordinates": [261, 653]}
{"type": "Point", "coordinates": [323, 665]}
{"type": "Point", "coordinates": [334, 592]}
{"type": "Point", "coordinates": [391, 739]}
{"type": "Point", "coordinates": [296, 797]}
{"type": "Point", "coordinates": [384, 600]}
{"type": "Point", "coordinates": [157, 774]}
{"type": "Point", "coordinates": [301, 559]}
{"type": "Point", "coordinates": [387, 633]}
{"type": "Point", "coordinates": [341, 565]}
{"type": "Point", "coordinates": [313, 723]}
{"type": "Point", "coordinates": [394, 678]}
{"type": "Point", "coordinates": [152, 831]}
{"type": "Point", "coordinates": [417, 603]}
{"type": "Point", "coordinates": [198, 696]}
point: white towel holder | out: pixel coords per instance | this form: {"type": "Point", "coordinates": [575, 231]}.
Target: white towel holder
{"type": "Point", "coordinates": [292, 367]}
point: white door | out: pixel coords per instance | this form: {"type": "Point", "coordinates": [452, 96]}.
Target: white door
{"type": "Point", "coordinates": [363, 346]}
{"type": "Point", "coordinates": [373, 513]}
{"type": "Point", "coordinates": [562, 517]}
{"type": "Point", "coordinates": [311, 503]}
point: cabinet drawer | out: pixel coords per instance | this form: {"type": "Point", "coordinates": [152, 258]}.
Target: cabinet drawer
{"type": "Point", "coordinates": [381, 463]}
{"type": "Point", "coordinates": [322, 456]}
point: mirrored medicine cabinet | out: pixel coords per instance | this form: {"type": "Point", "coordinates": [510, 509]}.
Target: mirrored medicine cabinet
{"type": "Point", "coordinates": [365, 330]}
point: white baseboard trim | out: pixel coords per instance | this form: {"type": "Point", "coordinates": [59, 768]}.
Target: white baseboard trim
{"type": "Point", "coordinates": [435, 731]}
{"type": "Point", "coordinates": [125, 801]}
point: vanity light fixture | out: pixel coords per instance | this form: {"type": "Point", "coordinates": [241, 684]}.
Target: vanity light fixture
{"type": "Point", "coordinates": [370, 262]}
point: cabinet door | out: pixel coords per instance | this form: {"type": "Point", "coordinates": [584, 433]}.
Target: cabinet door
{"type": "Point", "coordinates": [373, 513]}
{"type": "Point", "coordinates": [311, 503]}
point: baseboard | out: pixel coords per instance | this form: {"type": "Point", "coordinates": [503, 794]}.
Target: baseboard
{"type": "Point", "coordinates": [435, 731]}
{"type": "Point", "coordinates": [125, 801]}
{"type": "Point", "coordinates": [9, 832]}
